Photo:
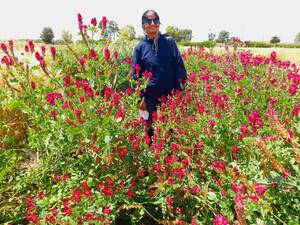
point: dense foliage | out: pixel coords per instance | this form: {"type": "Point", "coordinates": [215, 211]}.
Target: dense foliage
{"type": "Point", "coordinates": [225, 150]}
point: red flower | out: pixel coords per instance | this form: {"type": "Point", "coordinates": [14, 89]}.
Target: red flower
{"type": "Point", "coordinates": [260, 189]}
{"type": "Point", "coordinates": [31, 46]}
{"type": "Point", "coordinates": [94, 21]}
{"type": "Point", "coordinates": [81, 61]}
{"type": "Point", "coordinates": [137, 68]}
{"type": "Point", "coordinates": [106, 211]}
{"type": "Point", "coordinates": [220, 166]}
{"type": "Point", "coordinates": [3, 47]}
{"type": "Point", "coordinates": [103, 23]}
{"type": "Point", "coordinates": [38, 56]}
{"type": "Point", "coordinates": [116, 55]}
{"type": "Point", "coordinates": [32, 84]}
{"type": "Point", "coordinates": [130, 193]}
{"type": "Point", "coordinates": [108, 191]}
{"type": "Point", "coordinates": [235, 150]}
{"type": "Point", "coordinates": [106, 54]}
{"type": "Point", "coordinates": [43, 48]}
{"type": "Point", "coordinates": [76, 196]}
{"type": "Point", "coordinates": [57, 177]}
{"type": "Point", "coordinates": [41, 195]}
{"type": "Point", "coordinates": [79, 17]}
{"type": "Point", "coordinates": [32, 218]}
{"type": "Point", "coordinates": [295, 111]}
{"type": "Point", "coordinates": [26, 48]}
{"type": "Point", "coordinates": [11, 43]}
{"type": "Point", "coordinates": [53, 52]}
{"type": "Point", "coordinates": [170, 200]}
{"type": "Point", "coordinates": [93, 54]}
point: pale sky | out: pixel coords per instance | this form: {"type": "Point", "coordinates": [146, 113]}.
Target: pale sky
{"type": "Point", "coordinates": [247, 19]}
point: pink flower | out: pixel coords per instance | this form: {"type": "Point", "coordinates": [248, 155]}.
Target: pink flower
{"type": "Point", "coordinates": [255, 119]}
{"type": "Point", "coordinates": [32, 218]}
{"type": "Point", "coordinates": [41, 195]}
{"type": "Point", "coordinates": [273, 56]}
{"type": "Point", "coordinates": [293, 89]}
{"type": "Point", "coordinates": [78, 114]}
{"type": "Point", "coordinates": [170, 200]}
{"type": "Point", "coordinates": [220, 220]}
{"type": "Point", "coordinates": [106, 211]}
{"type": "Point", "coordinates": [218, 165]}
{"type": "Point", "coordinates": [79, 18]}
{"type": "Point", "coordinates": [260, 189]}
{"type": "Point", "coordinates": [272, 100]}
{"type": "Point", "coordinates": [94, 21]}
{"type": "Point", "coordinates": [81, 61]}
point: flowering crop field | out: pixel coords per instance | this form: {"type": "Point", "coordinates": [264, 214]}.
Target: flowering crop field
{"type": "Point", "coordinates": [74, 150]}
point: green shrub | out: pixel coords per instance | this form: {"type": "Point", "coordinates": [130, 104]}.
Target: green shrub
{"type": "Point", "coordinates": [207, 44]}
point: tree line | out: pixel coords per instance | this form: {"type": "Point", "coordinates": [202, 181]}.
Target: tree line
{"type": "Point", "coordinates": [128, 32]}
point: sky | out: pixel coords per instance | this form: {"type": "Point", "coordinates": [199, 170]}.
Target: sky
{"type": "Point", "coordinates": [247, 19]}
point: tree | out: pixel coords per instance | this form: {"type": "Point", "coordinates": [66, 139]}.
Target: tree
{"type": "Point", "coordinates": [47, 35]}
{"type": "Point", "coordinates": [179, 34]}
{"type": "Point", "coordinates": [297, 38]}
{"type": "Point", "coordinates": [127, 33]}
{"type": "Point", "coordinates": [211, 36]}
{"type": "Point", "coordinates": [185, 34]}
{"type": "Point", "coordinates": [67, 36]}
{"type": "Point", "coordinates": [173, 32]}
{"type": "Point", "coordinates": [112, 29]}
{"type": "Point", "coordinates": [223, 36]}
{"type": "Point", "coordinates": [275, 39]}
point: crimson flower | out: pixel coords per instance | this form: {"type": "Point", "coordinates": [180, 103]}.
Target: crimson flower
{"type": "Point", "coordinates": [220, 220]}
{"type": "Point", "coordinates": [3, 47]}
{"type": "Point", "coordinates": [170, 200]}
{"type": "Point", "coordinates": [94, 21]}
{"type": "Point", "coordinates": [103, 23]}
{"type": "Point", "coordinates": [53, 52]}
{"type": "Point", "coordinates": [106, 211]}
{"type": "Point", "coordinates": [130, 193]}
{"type": "Point", "coordinates": [106, 54]}
{"type": "Point", "coordinates": [31, 46]}
{"type": "Point", "coordinates": [11, 43]}
{"type": "Point", "coordinates": [32, 84]}
{"type": "Point", "coordinates": [260, 189]}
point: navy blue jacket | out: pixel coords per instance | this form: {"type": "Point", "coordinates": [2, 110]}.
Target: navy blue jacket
{"type": "Point", "coordinates": [166, 65]}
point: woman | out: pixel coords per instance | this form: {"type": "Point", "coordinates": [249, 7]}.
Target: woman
{"type": "Point", "coordinates": [157, 54]}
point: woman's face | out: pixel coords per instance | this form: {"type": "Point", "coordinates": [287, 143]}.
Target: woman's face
{"type": "Point", "coordinates": [151, 28]}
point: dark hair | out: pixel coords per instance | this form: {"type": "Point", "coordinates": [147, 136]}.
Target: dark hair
{"type": "Point", "coordinates": [144, 16]}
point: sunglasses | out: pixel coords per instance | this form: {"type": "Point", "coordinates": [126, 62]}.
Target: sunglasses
{"type": "Point", "coordinates": [149, 21]}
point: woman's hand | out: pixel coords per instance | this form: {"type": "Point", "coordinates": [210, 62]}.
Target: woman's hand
{"type": "Point", "coordinates": [181, 85]}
